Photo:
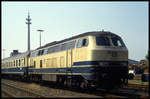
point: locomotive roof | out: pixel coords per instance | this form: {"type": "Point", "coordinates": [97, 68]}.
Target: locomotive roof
{"type": "Point", "coordinates": [22, 55]}
{"type": "Point", "coordinates": [77, 36]}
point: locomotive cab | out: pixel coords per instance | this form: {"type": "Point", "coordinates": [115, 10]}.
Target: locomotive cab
{"type": "Point", "coordinates": [111, 57]}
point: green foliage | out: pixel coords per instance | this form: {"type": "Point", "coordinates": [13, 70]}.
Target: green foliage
{"type": "Point", "coordinates": [147, 56]}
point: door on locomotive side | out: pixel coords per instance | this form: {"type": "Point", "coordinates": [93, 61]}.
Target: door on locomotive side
{"type": "Point", "coordinates": [82, 50]}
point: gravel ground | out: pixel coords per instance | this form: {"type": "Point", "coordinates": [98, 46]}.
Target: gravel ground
{"type": "Point", "coordinates": [51, 92]}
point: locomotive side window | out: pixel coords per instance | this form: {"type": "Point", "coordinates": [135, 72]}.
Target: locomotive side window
{"type": "Point", "coordinates": [82, 42]}
{"type": "Point", "coordinates": [70, 45]}
{"type": "Point", "coordinates": [85, 42]}
{"type": "Point", "coordinates": [63, 47]}
{"type": "Point", "coordinates": [79, 44]}
{"type": "Point", "coordinates": [102, 41]}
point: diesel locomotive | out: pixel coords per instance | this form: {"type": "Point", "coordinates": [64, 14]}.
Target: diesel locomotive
{"type": "Point", "coordinates": [92, 59]}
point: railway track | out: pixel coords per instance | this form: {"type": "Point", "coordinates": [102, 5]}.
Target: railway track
{"type": "Point", "coordinates": [6, 94]}
{"type": "Point", "coordinates": [137, 86]}
{"type": "Point", "coordinates": [48, 91]}
{"type": "Point", "coordinates": [14, 91]}
{"type": "Point", "coordinates": [126, 92]}
{"type": "Point", "coordinates": [101, 93]}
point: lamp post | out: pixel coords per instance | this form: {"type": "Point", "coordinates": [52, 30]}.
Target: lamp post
{"type": "Point", "coordinates": [40, 35]}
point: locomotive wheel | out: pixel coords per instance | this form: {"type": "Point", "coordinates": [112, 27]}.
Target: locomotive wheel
{"type": "Point", "coordinates": [84, 84]}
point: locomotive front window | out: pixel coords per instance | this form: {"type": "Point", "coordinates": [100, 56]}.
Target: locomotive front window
{"type": "Point", "coordinates": [117, 42]}
{"type": "Point", "coordinates": [102, 41]}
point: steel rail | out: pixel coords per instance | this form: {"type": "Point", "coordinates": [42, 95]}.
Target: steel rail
{"type": "Point", "coordinates": [23, 90]}
{"type": "Point", "coordinates": [8, 94]}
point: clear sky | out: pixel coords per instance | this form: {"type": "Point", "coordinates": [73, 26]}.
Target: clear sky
{"type": "Point", "coordinates": [61, 20]}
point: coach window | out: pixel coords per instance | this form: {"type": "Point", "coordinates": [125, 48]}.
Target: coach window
{"type": "Point", "coordinates": [40, 63]}
{"type": "Point", "coordinates": [8, 64]}
{"type": "Point", "coordinates": [57, 48]}
{"type": "Point", "coordinates": [42, 51]}
{"type": "Point", "coordinates": [34, 64]}
{"type": "Point", "coordinates": [39, 52]}
{"type": "Point", "coordinates": [51, 50]}
{"type": "Point", "coordinates": [24, 62]}
{"type": "Point", "coordinates": [45, 51]}
{"type": "Point", "coordinates": [36, 53]}
{"type": "Point", "coordinates": [16, 63]}
{"type": "Point", "coordinates": [19, 62]}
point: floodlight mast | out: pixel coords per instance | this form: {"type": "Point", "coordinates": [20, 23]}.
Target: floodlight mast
{"type": "Point", "coordinates": [28, 23]}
